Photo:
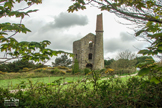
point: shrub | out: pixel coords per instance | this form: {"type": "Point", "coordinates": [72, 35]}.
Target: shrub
{"type": "Point", "coordinates": [109, 71]}
{"type": "Point", "coordinates": [2, 72]}
{"type": "Point", "coordinates": [102, 70]}
{"type": "Point", "coordinates": [30, 74]}
{"type": "Point", "coordinates": [39, 70]}
{"type": "Point", "coordinates": [69, 71]}
{"type": "Point", "coordinates": [125, 71]}
{"type": "Point", "coordinates": [81, 70]}
{"type": "Point", "coordinates": [75, 68]}
{"type": "Point", "coordinates": [62, 72]}
{"type": "Point", "coordinates": [135, 93]}
{"type": "Point", "coordinates": [25, 69]}
{"type": "Point", "coordinates": [55, 71]}
{"type": "Point", "coordinates": [62, 67]}
{"type": "Point", "coordinates": [49, 67]}
{"type": "Point", "coordinates": [87, 70]}
{"type": "Point", "coordinates": [89, 73]}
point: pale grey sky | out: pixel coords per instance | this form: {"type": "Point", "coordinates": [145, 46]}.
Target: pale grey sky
{"type": "Point", "coordinates": [52, 22]}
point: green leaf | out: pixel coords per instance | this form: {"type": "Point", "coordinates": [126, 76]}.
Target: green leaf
{"type": "Point", "coordinates": [155, 80]}
{"type": "Point", "coordinates": [143, 71]}
{"type": "Point", "coordinates": [32, 11]}
{"type": "Point", "coordinates": [1, 37]}
{"type": "Point", "coordinates": [8, 4]}
{"type": "Point", "coordinates": [159, 48]}
{"type": "Point", "coordinates": [143, 52]}
{"type": "Point", "coordinates": [139, 32]}
{"type": "Point", "coordinates": [159, 68]}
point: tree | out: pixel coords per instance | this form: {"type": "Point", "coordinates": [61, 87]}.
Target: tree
{"type": "Point", "coordinates": [126, 60]}
{"type": "Point", "coordinates": [62, 61]}
{"type": "Point", "coordinates": [107, 63]}
{"type": "Point", "coordinates": [13, 49]}
{"type": "Point", "coordinates": [146, 14]}
{"type": "Point", "coordinates": [126, 55]}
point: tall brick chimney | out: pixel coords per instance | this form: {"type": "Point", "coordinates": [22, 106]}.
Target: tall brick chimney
{"type": "Point", "coordinates": [98, 51]}
{"type": "Point", "coordinates": [99, 24]}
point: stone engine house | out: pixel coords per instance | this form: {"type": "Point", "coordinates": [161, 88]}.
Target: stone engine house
{"type": "Point", "coordinates": [89, 49]}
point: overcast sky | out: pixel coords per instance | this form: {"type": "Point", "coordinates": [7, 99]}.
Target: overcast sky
{"type": "Point", "coordinates": [52, 22]}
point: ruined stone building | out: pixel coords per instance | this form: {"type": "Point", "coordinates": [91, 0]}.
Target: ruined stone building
{"type": "Point", "coordinates": [89, 49]}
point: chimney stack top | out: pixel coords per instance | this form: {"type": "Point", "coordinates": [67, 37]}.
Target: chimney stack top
{"type": "Point", "coordinates": [99, 24]}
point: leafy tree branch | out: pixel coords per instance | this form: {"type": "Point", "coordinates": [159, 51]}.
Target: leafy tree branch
{"type": "Point", "coordinates": [36, 51]}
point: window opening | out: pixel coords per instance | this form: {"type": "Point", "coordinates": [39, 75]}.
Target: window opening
{"type": "Point", "coordinates": [90, 44]}
{"type": "Point", "coordinates": [90, 56]}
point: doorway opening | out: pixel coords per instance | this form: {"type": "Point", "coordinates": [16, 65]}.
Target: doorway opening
{"type": "Point", "coordinates": [89, 65]}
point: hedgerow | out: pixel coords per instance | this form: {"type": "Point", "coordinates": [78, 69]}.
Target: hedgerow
{"type": "Point", "coordinates": [137, 93]}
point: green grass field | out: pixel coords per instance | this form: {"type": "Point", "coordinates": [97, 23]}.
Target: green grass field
{"type": "Point", "coordinates": [10, 83]}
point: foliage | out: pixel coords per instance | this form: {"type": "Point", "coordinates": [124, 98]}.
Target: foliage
{"type": "Point", "coordinates": [16, 66]}
{"type": "Point", "coordinates": [102, 70]}
{"type": "Point", "coordinates": [75, 67]}
{"type": "Point", "coordinates": [62, 61]}
{"type": "Point", "coordinates": [123, 66]}
{"type": "Point", "coordinates": [38, 70]}
{"type": "Point", "coordinates": [109, 70]}
{"type": "Point", "coordinates": [87, 70]}
{"type": "Point", "coordinates": [107, 63]}
{"type": "Point", "coordinates": [108, 93]}
{"type": "Point", "coordinates": [35, 51]}
{"type": "Point", "coordinates": [126, 60]}
{"type": "Point", "coordinates": [62, 67]}
{"type": "Point", "coordinates": [55, 71]}
{"type": "Point", "coordinates": [2, 72]}
{"type": "Point", "coordinates": [143, 59]}
{"type": "Point", "coordinates": [62, 72]}
{"type": "Point", "coordinates": [25, 69]}
{"type": "Point", "coordinates": [69, 71]}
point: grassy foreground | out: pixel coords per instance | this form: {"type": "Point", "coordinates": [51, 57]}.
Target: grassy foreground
{"type": "Point", "coordinates": [11, 83]}
{"type": "Point", "coordinates": [10, 80]}
{"type": "Point", "coordinates": [134, 93]}
{"type": "Point", "coordinates": [47, 92]}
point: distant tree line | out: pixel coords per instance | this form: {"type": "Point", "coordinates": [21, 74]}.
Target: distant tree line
{"type": "Point", "coordinates": [126, 62]}
{"type": "Point", "coordinates": [16, 66]}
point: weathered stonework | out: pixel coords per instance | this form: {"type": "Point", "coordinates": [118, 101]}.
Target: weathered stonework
{"type": "Point", "coordinates": [89, 49]}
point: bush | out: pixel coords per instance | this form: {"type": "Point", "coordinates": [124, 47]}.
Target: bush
{"type": "Point", "coordinates": [62, 72]}
{"type": "Point", "coordinates": [55, 71]}
{"type": "Point", "coordinates": [89, 73]}
{"type": "Point", "coordinates": [125, 71]}
{"type": "Point", "coordinates": [102, 70]}
{"type": "Point", "coordinates": [135, 93]}
{"type": "Point", "coordinates": [69, 71]}
{"type": "Point", "coordinates": [25, 69]}
{"type": "Point", "coordinates": [2, 72]}
{"type": "Point", "coordinates": [62, 67]}
{"type": "Point", "coordinates": [38, 70]}
{"type": "Point", "coordinates": [75, 67]}
{"type": "Point", "coordinates": [109, 71]}
{"type": "Point", "coordinates": [87, 70]}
